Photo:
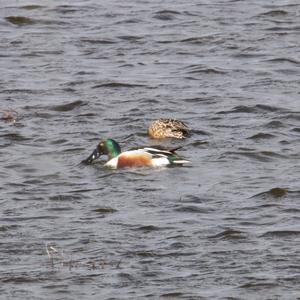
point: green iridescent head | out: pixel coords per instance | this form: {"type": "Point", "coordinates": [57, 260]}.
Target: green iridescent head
{"type": "Point", "coordinates": [107, 147]}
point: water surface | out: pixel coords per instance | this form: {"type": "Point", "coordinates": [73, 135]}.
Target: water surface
{"type": "Point", "coordinates": [224, 227]}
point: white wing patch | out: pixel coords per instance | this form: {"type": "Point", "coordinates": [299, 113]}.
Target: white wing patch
{"type": "Point", "coordinates": [160, 162]}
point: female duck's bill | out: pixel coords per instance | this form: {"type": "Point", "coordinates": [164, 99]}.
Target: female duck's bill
{"type": "Point", "coordinates": [168, 128]}
{"type": "Point", "coordinates": [143, 157]}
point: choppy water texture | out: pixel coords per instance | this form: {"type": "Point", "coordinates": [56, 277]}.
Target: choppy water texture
{"type": "Point", "coordinates": [224, 227]}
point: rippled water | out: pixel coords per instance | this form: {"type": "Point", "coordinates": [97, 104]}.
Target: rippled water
{"type": "Point", "coordinates": [224, 227]}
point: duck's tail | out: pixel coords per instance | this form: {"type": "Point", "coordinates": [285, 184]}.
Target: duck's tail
{"type": "Point", "coordinates": [180, 161]}
{"type": "Point", "coordinates": [175, 159]}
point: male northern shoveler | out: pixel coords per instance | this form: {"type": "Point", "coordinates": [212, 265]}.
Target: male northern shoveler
{"type": "Point", "coordinates": [168, 128]}
{"type": "Point", "coordinates": [143, 157]}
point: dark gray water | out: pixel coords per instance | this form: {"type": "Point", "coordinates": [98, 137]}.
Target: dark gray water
{"type": "Point", "coordinates": [225, 227]}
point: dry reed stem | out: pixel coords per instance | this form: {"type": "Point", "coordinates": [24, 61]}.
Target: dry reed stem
{"type": "Point", "coordinates": [56, 257]}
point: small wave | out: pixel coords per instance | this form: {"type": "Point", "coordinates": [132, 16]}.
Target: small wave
{"type": "Point", "coordinates": [193, 69]}
{"type": "Point", "coordinates": [65, 197]}
{"type": "Point", "coordinates": [129, 21]}
{"type": "Point", "coordinates": [25, 21]}
{"type": "Point", "coordinates": [292, 211]}
{"type": "Point", "coordinates": [258, 108]}
{"type": "Point", "coordinates": [95, 41]}
{"type": "Point", "coordinates": [193, 209]}
{"type": "Point", "coordinates": [149, 228]}
{"type": "Point", "coordinates": [19, 279]}
{"type": "Point", "coordinates": [202, 39]}
{"type": "Point", "coordinates": [42, 115]}
{"type": "Point", "coordinates": [283, 28]}
{"type": "Point", "coordinates": [192, 100]}
{"type": "Point", "coordinates": [67, 107]}
{"type": "Point", "coordinates": [284, 59]}
{"type": "Point", "coordinates": [192, 199]}
{"type": "Point", "coordinates": [272, 154]}
{"type": "Point", "coordinates": [293, 116]}
{"type": "Point", "coordinates": [60, 209]}
{"type": "Point", "coordinates": [199, 143]}
{"type": "Point", "coordinates": [274, 193]}
{"type": "Point", "coordinates": [174, 295]}
{"type": "Point", "coordinates": [42, 53]}
{"type": "Point", "coordinates": [145, 253]}
{"type": "Point", "coordinates": [238, 109]}
{"type": "Point", "coordinates": [14, 137]}
{"type": "Point", "coordinates": [261, 136]}
{"type": "Point", "coordinates": [32, 7]}
{"type": "Point", "coordinates": [20, 21]}
{"type": "Point", "coordinates": [247, 55]}
{"type": "Point", "coordinates": [117, 85]}
{"type": "Point", "coordinates": [281, 233]}
{"type": "Point", "coordinates": [274, 124]}
{"type": "Point", "coordinates": [258, 285]}
{"type": "Point", "coordinates": [74, 83]}
{"type": "Point", "coordinates": [274, 13]}
{"type": "Point", "coordinates": [166, 15]}
{"type": "Point", "coordinates": [21, 91]}
{"type": "Point", "coordinates": [269, 108]}
{"type": "Point", "coordinates": [229, 234]}
{"type": "Point", "coordinates": [263, 156]}
{"type": "Point", "coordinates": [130, 38]}
{"type": "Point", "coordinates": [4, 228]}
{"type": "Point", "coordinates": [70, 9]}
{"type": "Point", "coordinates": [104, 210]}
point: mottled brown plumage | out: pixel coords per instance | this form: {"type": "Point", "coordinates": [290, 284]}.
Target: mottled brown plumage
{"type": "Point", "coordinates": [168, 128]}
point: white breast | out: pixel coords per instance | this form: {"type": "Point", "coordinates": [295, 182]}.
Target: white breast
{"type": "Point", "coordinates": [113, 163]}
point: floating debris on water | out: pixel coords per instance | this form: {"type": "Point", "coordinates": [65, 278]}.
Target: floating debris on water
{"type": "Point", "coordinates": [57, 257]}
{"type": "Point", "coordinates": [9, 115]}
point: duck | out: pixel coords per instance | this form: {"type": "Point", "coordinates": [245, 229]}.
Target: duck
{"type": "Point", "coordinates": [168, 128]}
{"type": "Point", "coordinates": [140, 157]}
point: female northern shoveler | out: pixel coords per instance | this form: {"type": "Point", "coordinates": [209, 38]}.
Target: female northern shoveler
{"type": "Point", "coordinates": [168, 128]}
{"type": "Point", "coordinates": [143, 157]}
